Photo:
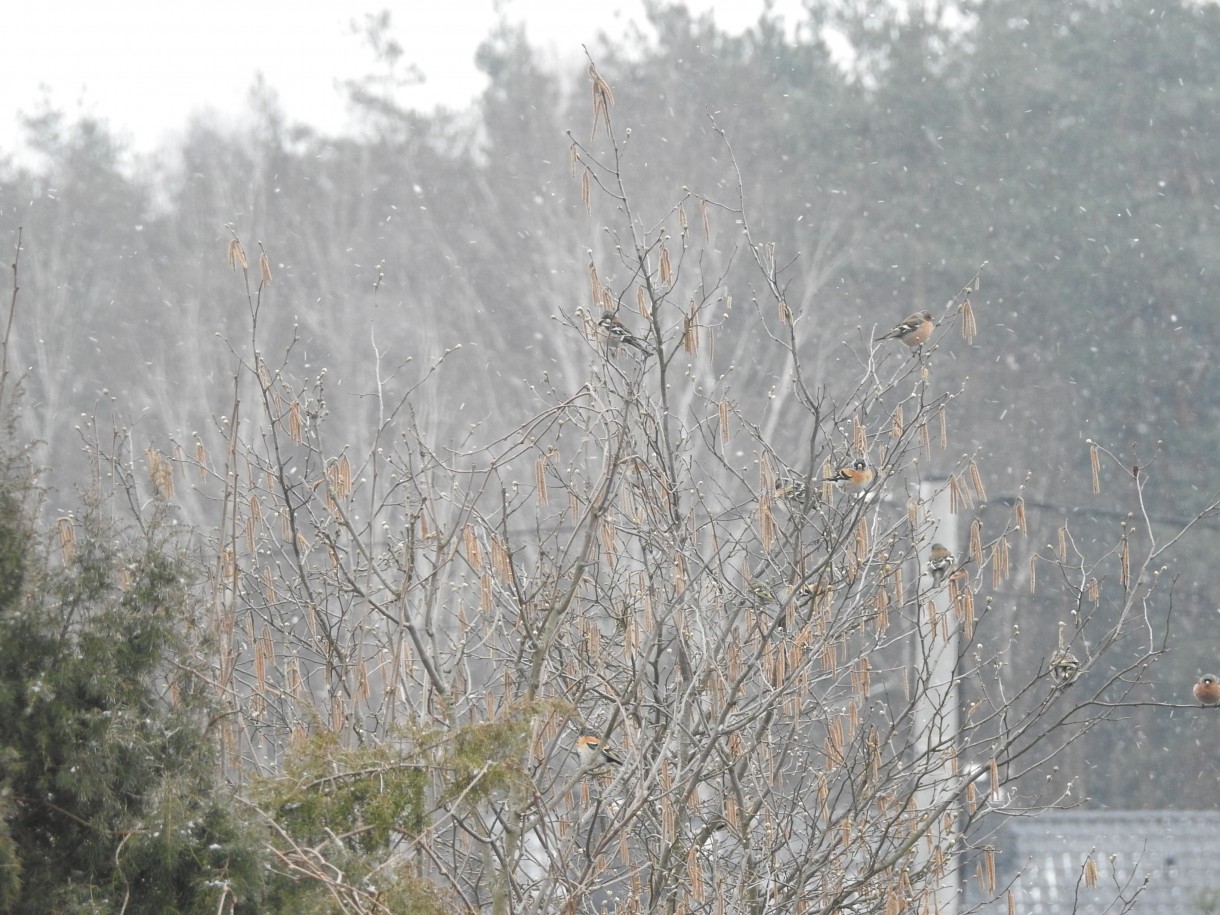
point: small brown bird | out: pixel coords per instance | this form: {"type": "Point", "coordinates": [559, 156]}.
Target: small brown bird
{"type": "Point", "coordinates": [1207, 690]}
{"type": "Point", "coordinates": [619, 334]}
{"type": "Point", "coordinates": [939, 563]}
{"type": "Point", "coordinates": [818, 590]}
{"type": "Point", "coordinates": [792, 492]}
{"type": "Point", "coordinates": [857, 476]}
{"type": "Point", "coordinates": [593, 753]}
{"type": "Point", "coordinates": [1064, 667]}
{"type": "Point", "coordinates": [914, 330]}
{"type": "Point", "coordinates": [761, 591]}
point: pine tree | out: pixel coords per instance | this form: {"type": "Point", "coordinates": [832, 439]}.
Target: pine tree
{"type": "Point", "coordinates": [107, 769]}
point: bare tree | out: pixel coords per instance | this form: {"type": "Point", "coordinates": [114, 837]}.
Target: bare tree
{"type": "Point", "coordinates": [727, 590]}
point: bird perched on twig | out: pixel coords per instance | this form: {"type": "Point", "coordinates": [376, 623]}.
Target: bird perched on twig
{"type": "Point", "coordinates": [914, 330]}
{"type": "Point", "coordinates": [856, 476]}
{"type": "Point", "coordinates": [619, 334]}
{"type": "Point", "coordinates": [760, 590]}
{"type": "Point", "coordinates": [792, 492]}
{"type": "Point", "coordinates": [1064, 665]}
{"type": "Point", "coordinates": [821, 587]}
{"type": "Point", "coordinates": [940, 562]}
{"type": "Point", "coordinates": [1207, 690]}
{"type": "Point", "coordinates": [593, 752]}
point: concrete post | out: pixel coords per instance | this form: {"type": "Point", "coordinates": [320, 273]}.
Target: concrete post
{"type": "Point", "coordinates": [937, 701]}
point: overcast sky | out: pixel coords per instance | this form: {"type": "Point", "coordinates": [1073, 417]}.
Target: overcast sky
{"type": "Point", "coordinates": [146, 66]}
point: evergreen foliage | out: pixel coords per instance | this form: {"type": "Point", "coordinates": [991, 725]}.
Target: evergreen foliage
{"type": "Point", "coordinates": [107, 767]}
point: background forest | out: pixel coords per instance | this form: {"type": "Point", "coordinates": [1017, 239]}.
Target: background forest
{"type": "Point", "coordinates": [426, 286]}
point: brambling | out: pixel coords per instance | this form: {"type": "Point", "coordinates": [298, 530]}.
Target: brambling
{"type": "Point", "coordinates": [593, 752]}
{"type": "Point", "coordinates": [1064, 667]}
{"type": "Point", "coordinates": [939, 563]}
{"type": "Point", "coordinates": [717, 831]}
{"type": "Point", "coordinates": [792, 492]}
{"type": "Point", "coordinates": [619, 334]}
{"type": "Point", "coordinates": [761, 591]}
{"type": "Point", "coordinates": [914, 330]}
{"type": "Point", "coordinates": [1207, 690]}
{"type": "Point", "coordinates": [857, 476]}
{"type": "Point", "coordinates": [814, 591]}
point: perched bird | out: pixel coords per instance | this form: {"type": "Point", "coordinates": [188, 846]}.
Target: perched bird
{"type": "Point", "coordinates": [857, 476]}
{"type": "Point", "coordinates": [939, 563]}
{"type": "Point", "coordinates": [787, 488]}
{"type": "Point", "coordinates": [814, 591]}
{"type": "Point", "coordinates": [594, 753]}
{"type": "Point", "coordinates": [619, 334]}
{"type": "Point", "coordinates": [792, 492]}
{"type": "Point", "coordinates": [761, 590]}
{"type": "Point", "coordinates": [914, 330]}
{"type": "Point", "coordinates": [1207, 690]}
{"type": "Point", "coordinates": [1065, 667]}
{"type": "Point", "coordinates": [717, 831]}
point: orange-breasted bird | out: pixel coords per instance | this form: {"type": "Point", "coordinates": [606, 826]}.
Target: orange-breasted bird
{"type": "Point", "coordinates": [1207, 690]}
{"type": "Point", "coordinates": [914, 330]}
{"type": "Point", "coordinates": [619, 334]}
{"type": "Point", "coordinates": [593, 752]}
{"type": "Point", "coordinates": [856, 476]}
{"type": "Point", "coordinates": [940, 561]}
